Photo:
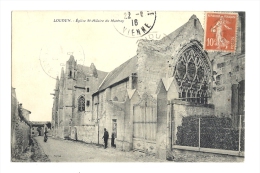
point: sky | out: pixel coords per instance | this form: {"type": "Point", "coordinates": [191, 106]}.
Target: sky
{"type": "Point", "coordinates": [40, 47]}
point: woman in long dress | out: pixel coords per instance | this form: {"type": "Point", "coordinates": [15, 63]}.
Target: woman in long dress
{"type": "Point", "coordinates": [218, 28]}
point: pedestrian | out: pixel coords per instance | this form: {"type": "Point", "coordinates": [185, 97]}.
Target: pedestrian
{"type": "Point", "coordinates": [113, 139]}
{"type": "Point", "coordinates": [105, 137]}
{"type": "Point", "coordinates": [45, 129]}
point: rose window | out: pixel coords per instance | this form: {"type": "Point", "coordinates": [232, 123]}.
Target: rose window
{"type": "Point", "coordinates": [192, 73]}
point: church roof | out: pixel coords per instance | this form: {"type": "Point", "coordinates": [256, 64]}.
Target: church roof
{"type": "Point", "coordinates": [86, 71]}
{"type": "Point", "coordinates": [120, 73]}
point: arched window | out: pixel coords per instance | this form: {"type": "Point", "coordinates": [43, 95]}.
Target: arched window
{"type": "Point", "coordinates": [81, 104]}
{"type": "Point", "coordinates": [192, 73]}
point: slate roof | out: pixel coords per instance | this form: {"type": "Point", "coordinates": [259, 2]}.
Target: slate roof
{"type": "Point", "coordinates": [120, 73]}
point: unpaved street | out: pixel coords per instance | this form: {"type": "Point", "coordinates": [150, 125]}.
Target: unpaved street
{"type": "Point", "coordinates": [58, 150]}
{"type": "Point", "coordinates": [71, 151]}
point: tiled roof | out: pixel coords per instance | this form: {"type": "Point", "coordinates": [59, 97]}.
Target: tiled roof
{"type": "Point", "coordinates": [120, 73]}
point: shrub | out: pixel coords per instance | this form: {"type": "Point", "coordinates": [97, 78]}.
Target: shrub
{"type": "Point", "coordinates": [214, 133]}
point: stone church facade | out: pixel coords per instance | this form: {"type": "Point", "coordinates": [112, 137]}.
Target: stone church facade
{"type": "Point", "coordinates": [72, 101]}
{"type": "Point", "coordinates": [144, 100]}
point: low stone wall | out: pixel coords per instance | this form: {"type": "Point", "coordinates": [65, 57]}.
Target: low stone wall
{"type": "Point", "coordinates": [84, 133]}
{"type": "Point", "coordinates": [22, 138]}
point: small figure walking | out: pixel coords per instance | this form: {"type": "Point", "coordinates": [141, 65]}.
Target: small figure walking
{"type": "Point", "coordinates": [105, 137]}
{"type": "Point", "coordinates": [45, 129]}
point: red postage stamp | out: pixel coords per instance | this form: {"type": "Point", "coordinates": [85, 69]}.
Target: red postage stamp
{"type": "Point", "coordinates": [220, 31]}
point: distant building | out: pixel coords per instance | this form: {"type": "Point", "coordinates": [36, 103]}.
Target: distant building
{"type": "Point", "coordinates": [144, 100]}
{"type": "Point", "coordinates": [37, 128]}
{"type": "Point", "coordinates": [25, 113]}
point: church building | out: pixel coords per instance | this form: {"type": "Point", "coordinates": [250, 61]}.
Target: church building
{"type": "Point", "coordinates": [72, 101]}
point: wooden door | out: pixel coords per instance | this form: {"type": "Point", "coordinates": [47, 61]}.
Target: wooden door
{"type": "Point", "coordinates": [145, 124]}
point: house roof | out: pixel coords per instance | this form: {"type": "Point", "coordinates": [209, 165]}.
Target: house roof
{"type": "Point", "coordinates": [26, 110]}
{"type": "Point", "coordinates": [119, 73]}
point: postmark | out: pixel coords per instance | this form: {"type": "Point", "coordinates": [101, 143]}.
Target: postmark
{"type": "Point", "coordinates": [136, 23]}
{"type": "Point", "coordinates": [156, 36]}
{"type": "Point", "coordinates": [53, 56]}
{"type": "Point", "coordinates": [220, 31]}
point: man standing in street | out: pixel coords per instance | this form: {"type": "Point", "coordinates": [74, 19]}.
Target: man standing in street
{"type": "Point", "coordinates": [105, 137]}
{"type": "Point", "coordinates": [45, 129]}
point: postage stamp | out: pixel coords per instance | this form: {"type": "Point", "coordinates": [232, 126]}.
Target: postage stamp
{"type": "Point", "coordinates": [220, 31]}
{"type": "Point", "coordinates": [136, 23]}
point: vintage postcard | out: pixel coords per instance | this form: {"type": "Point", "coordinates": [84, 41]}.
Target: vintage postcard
{"type": "Point", "coordinates": [128, 86]}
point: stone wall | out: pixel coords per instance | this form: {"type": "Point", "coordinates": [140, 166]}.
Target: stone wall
{"type": "Point", "coordinates": [229, 70]}
{"type": "Point", "coordinates": [22, 134]}
{"type": "Point", "coordinates": [84, 133]}
{"type": "Point", "coordinates": [152, 66]}
{"type": "Point", "coordinates": [20, 129]}
{"type": "Point", "coordinates": [114, 110]}
{"type": "Point", "coordinates": [118, 92]}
